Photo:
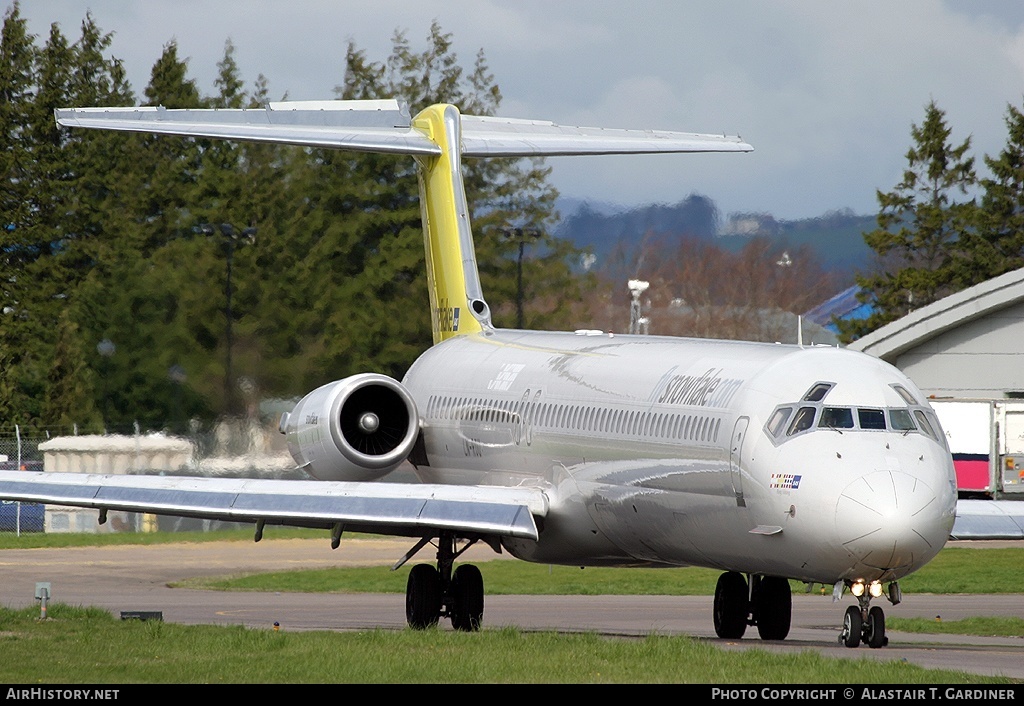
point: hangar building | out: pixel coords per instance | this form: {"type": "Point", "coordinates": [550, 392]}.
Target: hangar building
{"type": "Point", "coordinates": [968, 345]}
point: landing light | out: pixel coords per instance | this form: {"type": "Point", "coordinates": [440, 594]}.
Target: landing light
{"type": "Point", "coordinates": [875, 589]}
{"type": "Point", "coordinates": [857, 588]}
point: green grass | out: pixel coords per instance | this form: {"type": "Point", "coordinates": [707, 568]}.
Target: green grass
{"type": "Point", "coordinates": [502, 577]}
{"type": "Point", "coordinates": [980, 625]}
{"type": "Point", "coordinates": [89, 646]}
{"type": "Point", "coordinates": [954, 570]}
{"type": "Point", "coordinates": [962, 570]}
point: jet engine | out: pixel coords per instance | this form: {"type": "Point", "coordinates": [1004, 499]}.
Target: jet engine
{"type": "Point", "coordinates": [354, 429]}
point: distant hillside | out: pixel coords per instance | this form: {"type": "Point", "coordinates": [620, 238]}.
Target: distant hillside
{"type": "Point", "coordinates": [836, 237]}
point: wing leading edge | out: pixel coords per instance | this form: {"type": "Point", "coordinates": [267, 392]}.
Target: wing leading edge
{"type": "Point", "coordinates": [388, 508]}
{"type": "Point", "coordinates": [385, 126]}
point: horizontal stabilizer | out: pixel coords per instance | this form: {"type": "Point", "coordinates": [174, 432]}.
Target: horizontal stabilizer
{"type": "Point", "coordinates": [504, 137]}
{"type": "Point", "coordinates": [385, 126]}
{"type": "Point", "coordinates": [390, 508]}
{"type": "Point", "coordinates": [359, 126]}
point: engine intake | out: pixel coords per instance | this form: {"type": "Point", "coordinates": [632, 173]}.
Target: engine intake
{"type": "Point", "coordinates": [356, 429]}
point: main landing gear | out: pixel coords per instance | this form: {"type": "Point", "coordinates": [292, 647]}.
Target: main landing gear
{"type": "Point", "coordinates": [766, 601]}
{"type": "Point", "coordinates": [862, 623]}
{"type": "Point", "coordinates": [432, 594]}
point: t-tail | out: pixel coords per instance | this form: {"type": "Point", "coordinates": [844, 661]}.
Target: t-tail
{"type": "Point", "coordinates": [438, 137]}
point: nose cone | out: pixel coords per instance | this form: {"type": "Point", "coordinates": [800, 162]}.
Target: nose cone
{"type": "Point", "coordinates": [892, 523]}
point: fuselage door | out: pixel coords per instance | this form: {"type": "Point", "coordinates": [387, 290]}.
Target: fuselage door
{"type": "Point", "coordinates": [739, 433]}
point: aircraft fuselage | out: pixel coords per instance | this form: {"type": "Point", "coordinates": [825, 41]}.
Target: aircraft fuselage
{"type": "Point", "coordinates": [664, 451]}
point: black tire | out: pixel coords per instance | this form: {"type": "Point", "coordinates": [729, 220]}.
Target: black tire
{"type": "Point", "coordinates": [773, 608]}
{"type": "Point", "coordinates": [852, 627]}
{"type": "Point", "coordinates": [467, 593]}
{"type": "Point", "coordinates": [874, 632]}
{"type": "Point", "coordinates": [731, 606]}
{"type": "Point", "coordinates": [423, 597]}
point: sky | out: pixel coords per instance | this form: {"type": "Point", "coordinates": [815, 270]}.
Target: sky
{"type": "Point", "coordinates": [826, 92]}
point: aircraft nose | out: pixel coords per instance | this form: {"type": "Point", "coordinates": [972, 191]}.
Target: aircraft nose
{"type": "Point", "coordinates": [891, 522]}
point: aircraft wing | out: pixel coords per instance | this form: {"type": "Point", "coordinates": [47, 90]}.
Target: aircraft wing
{"type": "Point", "coordinates": [385, 126]}
{"type": "Point", "coordinates": [989, 519]}
{"type": "Point", "coordinates": [388, 508]}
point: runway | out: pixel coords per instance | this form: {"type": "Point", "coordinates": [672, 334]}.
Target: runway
{"type": "Point", "coordinates": [135, 578]}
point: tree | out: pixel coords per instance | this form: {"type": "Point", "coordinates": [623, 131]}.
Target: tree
{"type": "Point", "coordinates": [996, 245]}
{"type": "Point", "coordinates": [700, 289]}
{"type": "Point", "coordinates": [102, 238]}
{"type": "Point", "coordinates": [17, 93]}
{"type": "Point", "coordinates": [919, 226]}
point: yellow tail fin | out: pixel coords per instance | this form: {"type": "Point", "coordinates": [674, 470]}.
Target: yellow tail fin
{"type": "Point", "coordinates": [457, 305]}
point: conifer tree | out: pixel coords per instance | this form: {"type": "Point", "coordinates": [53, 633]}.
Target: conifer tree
{"type": "Point", "coordinates": [996, 244]}
{"type": "Point", "coordinates": [920, 223]}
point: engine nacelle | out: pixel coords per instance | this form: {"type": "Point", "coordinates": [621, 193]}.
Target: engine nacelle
{"type": "Point", "coordinates": [359, 428]}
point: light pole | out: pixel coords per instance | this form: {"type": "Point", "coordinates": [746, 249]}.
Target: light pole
{"type": "Point", "coordinates": [784, 263]}
{"type": "Point", "coordinates": [231, 239]}
{"type": "Point", "coordinates": [520, 235]}
{"type": "Point", "coordinates": [638, 323]}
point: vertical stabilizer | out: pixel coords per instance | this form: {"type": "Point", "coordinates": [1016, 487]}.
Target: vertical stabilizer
{"type": "Point", "coordinates": [457, 305]}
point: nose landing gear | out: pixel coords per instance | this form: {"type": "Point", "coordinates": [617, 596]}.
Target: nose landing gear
{"type": "Point", "coordinates": [863, 623]}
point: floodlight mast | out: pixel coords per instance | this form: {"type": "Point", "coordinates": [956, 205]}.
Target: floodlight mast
{"type": "Point", "coordinates": [637, 322]}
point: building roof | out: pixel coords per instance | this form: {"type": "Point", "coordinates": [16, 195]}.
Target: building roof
{"type": "Point", "coordinates": [938, 317]}
{"type": "Point", "coordinates": [844, 305]}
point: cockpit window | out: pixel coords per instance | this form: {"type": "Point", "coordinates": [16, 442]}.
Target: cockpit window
{"type": "Point", "coordinates": [818, 391]}
{"type": "Point", "coordinates": [926, 426]}
{"type": "Point", "coordinates": [778, 420]}
{"type": "Point", "coordinates": [905, 394]}
{"type": "Point", "coordinates": [803, 420]}
{"type": "Point", "coordinates": [791, 419]}
{"type": "Point", "coordinates": [871, 418]}
{"type": "Point", "coordinates": [901, 420]}
{"type": "Point", "coordinates": [836, 418]}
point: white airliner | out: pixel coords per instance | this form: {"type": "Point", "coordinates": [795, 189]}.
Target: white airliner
{"type": "Point", "coordinates": [767, 462]}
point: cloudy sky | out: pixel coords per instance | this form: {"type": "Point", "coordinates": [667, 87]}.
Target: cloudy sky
{"type": "Point", "coordinates": [826, 92]}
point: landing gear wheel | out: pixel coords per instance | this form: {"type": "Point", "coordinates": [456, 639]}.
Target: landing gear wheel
{"type": "Point", "coordinates": [467, 595]}
{"type": "Point", "coordinates": [874, 630]}
{"type": "Point", "coordinates": [852, 626]}
{"type": "Point", "coordinates": [423, 597]}
{"type": "Point", "coordinates": [731, 606]}
{"type": "Point", "coordinates": [773, 608]}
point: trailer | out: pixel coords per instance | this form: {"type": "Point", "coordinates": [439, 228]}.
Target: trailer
{"type": "Point", "coordinates": [986, 439]}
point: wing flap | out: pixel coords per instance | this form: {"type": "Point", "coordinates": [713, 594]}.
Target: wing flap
{"type": "Point", "coordinates": [398, 508]}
